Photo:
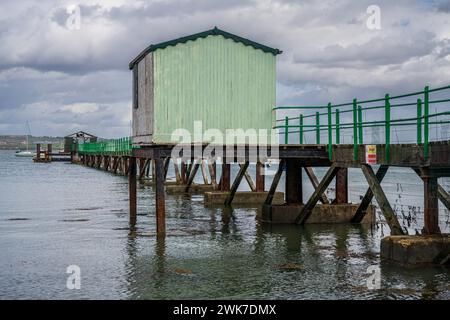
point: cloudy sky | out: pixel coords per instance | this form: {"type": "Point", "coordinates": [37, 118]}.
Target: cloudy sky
{"type": "Point", "coordinates": [61, 78]}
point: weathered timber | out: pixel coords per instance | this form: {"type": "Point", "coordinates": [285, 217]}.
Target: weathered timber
{"type": "Point", "coordinates": [260, 177]}
{"type": "Point", "coordinates": [160, 198]}
{"type": "Point", "coordinates": [305, 212]}
{"type": "Point", "coordinates": [204, 173]}
{"type": "Point", "coordinates": [212, 173]}
{"type": "Point", "coordinates": [275, 181]}
{"type": "Point", "coordinates": [367, 199]}
{"type": "Point", "coordinates": [226, 177]}
{"type": "Point", "coordinates": [132, 189]}
{"type": "Point", "coordinates": [236, 182]}
{"type": "Point", "coordinates": [383, 202]}
{"type": "Point", "coordinates": [431, 205]}
{"type": "Point", "coordinates": [315, 182]}
{"type": "Point", "coordinates": [192, 174]}
{"type": "Point", "coordinates": [248, 178]}
{"type": "Point", "coordinates": [341, 186]}
{"type": "Point", "coordinates": [294, 185]}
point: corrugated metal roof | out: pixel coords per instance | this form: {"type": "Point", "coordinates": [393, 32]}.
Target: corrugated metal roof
{"type": "Point", "coordinates": [216, 31]}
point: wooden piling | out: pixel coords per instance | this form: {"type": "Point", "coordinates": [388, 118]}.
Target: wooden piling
{"type": "Point", "coordinates": [368, 196]}
{"type": "Point", "coordinates": [226, 177]}
{"type": "Point", "coordinates": [132, 190]}
{"type": "Point", "coordinates": [382, 200]}
{"type": "Point", "coordinates": [315, 182]}
{"type": "Point", "coordinates": [260, 177]}
{"type": "Point", "coordinates": [341, 186]}
{"type": "Point", "coordinates": [275, 181]}
{"type": "Point", "coordinates": [160, 197]}
{"type": "Point", "coordinates": [431, 205]}
{"type": "Point", "coordinates": [236, 182]}
{"type": "Point", "coordinates": [306, 210]}
{"type": "Point", "coordinates": [294, 186]}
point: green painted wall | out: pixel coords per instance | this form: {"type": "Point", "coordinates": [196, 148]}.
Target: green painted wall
{"type": "Point", "coordinates": [220, 82]}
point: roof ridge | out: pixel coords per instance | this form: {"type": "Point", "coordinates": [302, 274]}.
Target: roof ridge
{"type": "Point", "coordinates": [215, 31]}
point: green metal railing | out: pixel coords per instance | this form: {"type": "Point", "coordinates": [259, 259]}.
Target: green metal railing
{"type": "Point", "coordinates": [121, 146]}
{"type": "Point", "coordinates": [421, 122]}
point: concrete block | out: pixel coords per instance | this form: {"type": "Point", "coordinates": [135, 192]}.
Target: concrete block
{"type": "Point", "coordinates": [242, 198]}
{"type": "Point", "coordinates": [195, 188]}
{"type": "Point", "coordinates": [322, 213]}
{"type": "Point", "coordinates": [416, 250]}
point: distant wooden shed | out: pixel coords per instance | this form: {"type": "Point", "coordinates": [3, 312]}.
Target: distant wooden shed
{"type": "Point", "coordinates": [216, 77]}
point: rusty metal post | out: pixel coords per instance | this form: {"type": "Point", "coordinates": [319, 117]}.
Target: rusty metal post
{"type": "Point", "coordinates": [431, 205]}
{"type": "Point", "coordinates": [226, 177]}
{"type": "Point", "coordinates": [132, 189]}
{"type": "Point", "coordinates": [49, 152]}
{"type": "Point", "coordinates": [160, 197]}
{"type": "Point", "coordinates": [184, 172]}
{"type": "Point", "coordinates": [38, 151]}
{"type": "Point", "coordinates": [294, 192]}
{"type": "Point", "coordinates": [341, 186]}
{"type": "Point", "coordinates": [260, 177]}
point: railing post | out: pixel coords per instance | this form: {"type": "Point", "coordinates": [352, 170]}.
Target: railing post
{"type": "Point", "coordinates": [419, 121]}
{"type": "Point", "coordinates": [301, 129]}
{"type": "Point", "coordinates": [425, 120]}
{"type": "Point", "coordinates": [286, 130]}
{"type": "Point", "coordinates": [355, 132]}
{"type": "Point", "coordinates": [317, 127]}
{"type": "Point", "coordinates": [360, 126]}
{"type": "Point", "coordinates": [387, 116]}
{"type": "Point", "coordinates": [330, 134]}
{"type": "Point", "coordinates": [338, 128]}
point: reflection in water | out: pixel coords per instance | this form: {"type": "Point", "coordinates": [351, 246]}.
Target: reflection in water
{"type": "Point", "coordinates": [208, 253]}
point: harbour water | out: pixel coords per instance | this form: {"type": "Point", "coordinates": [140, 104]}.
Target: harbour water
{"type": "Point", "coordinates": [56, 215]}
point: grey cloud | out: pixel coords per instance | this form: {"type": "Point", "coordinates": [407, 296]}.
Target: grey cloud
{"type": "Point", "coordinates": [376, 51]}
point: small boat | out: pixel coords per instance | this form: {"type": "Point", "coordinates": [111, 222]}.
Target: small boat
{"type": "Point", "coordinates": [26, 153]}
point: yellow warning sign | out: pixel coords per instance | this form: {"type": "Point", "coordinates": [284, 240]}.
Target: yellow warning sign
{"type": "Point", "coordinates": [371, 154]}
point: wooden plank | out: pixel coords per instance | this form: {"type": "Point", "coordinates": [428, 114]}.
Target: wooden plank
{"type": "Point", "coordinates": [383, 202]}
{"type": "Point", "coordinates": [192, 174]}
{"type": "Point", "coordinates": [315, 182]}
{"type": "Point", "coordinates": [160, 198]}
{"type": "Point", "coordinates": [248, 178]}
{"type": "Point", "coordinates": [368, 196]}
{"type": "Point", "coordinates": [305, 212]}
{"type": "Point", "coordinates": [236, 182]}
{"type": "Point", "coordinates": [275, 181]}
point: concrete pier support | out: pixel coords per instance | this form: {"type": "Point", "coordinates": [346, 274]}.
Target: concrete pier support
{"type": "Point", "coordinates": [320, 213]}
{"type": "Point", "coordinates": [416, 250]}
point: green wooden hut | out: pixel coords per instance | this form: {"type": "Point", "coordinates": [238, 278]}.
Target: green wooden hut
{"type": "Point", "coordinates": [216, 77]}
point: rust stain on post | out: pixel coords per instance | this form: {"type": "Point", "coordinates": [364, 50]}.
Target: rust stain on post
{"type": "Point", "coordinates": [160, 197]}
{"type": "Point", "coordinates": [132, 189]}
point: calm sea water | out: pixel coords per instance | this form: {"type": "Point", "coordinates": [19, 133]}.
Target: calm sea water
{"type": "Point", "coordinates": [59, 214]}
